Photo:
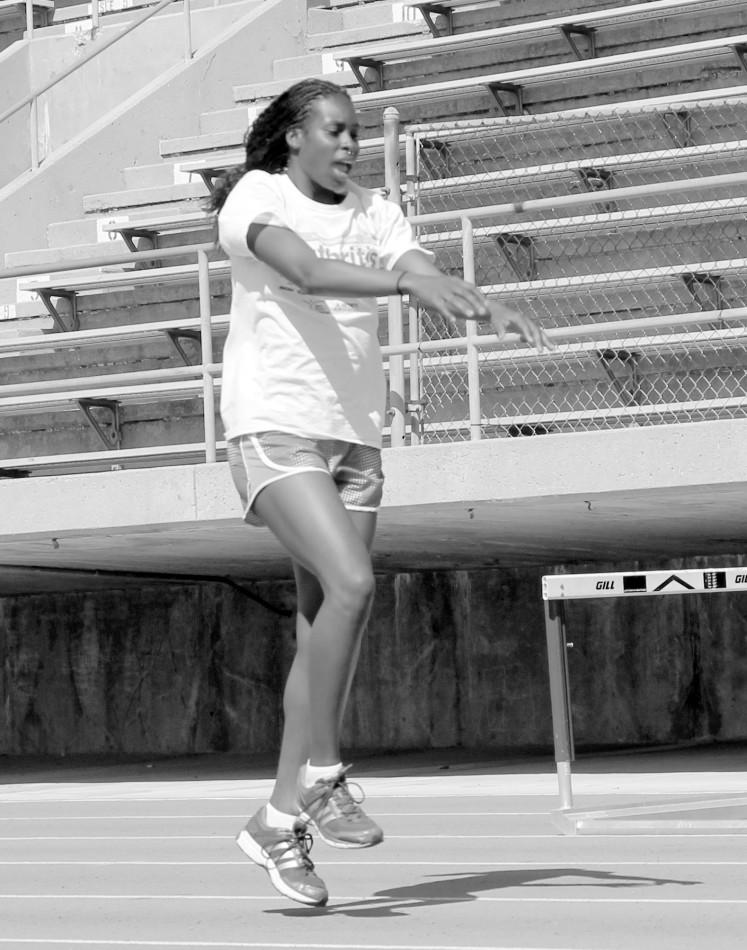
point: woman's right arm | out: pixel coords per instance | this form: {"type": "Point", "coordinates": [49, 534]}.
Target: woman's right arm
{"type": "Point", "coordinates": [292, 257]}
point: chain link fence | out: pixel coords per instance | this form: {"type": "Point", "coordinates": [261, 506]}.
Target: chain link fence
{"type": "Point", "coordinates": [664, 269]}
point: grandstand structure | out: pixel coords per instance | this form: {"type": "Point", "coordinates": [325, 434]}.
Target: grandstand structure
{"type": "Point", "coordinates": [581, 160]}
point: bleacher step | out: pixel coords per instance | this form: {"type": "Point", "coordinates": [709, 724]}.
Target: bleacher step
{"type": "Point", "coordinates": [77, 231]}
{"type": "Point", "coordinates": [49, 256]}
{"type": "Point", "coordinates": [151, 176]}
{"type": "Point", "coordinates": [292, 69]}
{"type": "Point", "coordinates": [356, 16]}
{"type": "Point", "coordinates": [364, 34]}
{"type": "Point", "coordinates": [211, 142]}
{"type": "Point", "coordinates": [264, 91]}
{"type": "Point", "coordinates": [134, 197]}
{"type": "Point", "coordinates": [323, 20]}
{"type": "Point", "coordinates": [224, 120]}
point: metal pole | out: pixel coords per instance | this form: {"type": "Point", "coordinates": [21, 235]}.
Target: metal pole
{"type": "Point", "coordinates": [413, 310]}
{"type": "Point", "coordinates": [560, 698]}
{"type": "Point", "coordinates": [394, 304]}
{"type": "Point", "coordinates": [416, 376]}
{"type": "Point", "coordinates": [608, 196]}
{"type": "Point", "coordinates": [411, 171]}
{"type": "Point", "coordinates": [473, 352]}
{"type": "Point", "coordinates": [188, 51]}
{"type": "Point", "coordinates": [206, 339]}
{"type": "Point", "coordinates": [94, 17]}
{"type": "Point", "coordinates": [30, 19]}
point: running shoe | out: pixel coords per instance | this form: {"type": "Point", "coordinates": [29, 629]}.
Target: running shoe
{"type": "Point", "coordinates": [336, 814]}
{"type": "Point", "coordinates": [284, 854]}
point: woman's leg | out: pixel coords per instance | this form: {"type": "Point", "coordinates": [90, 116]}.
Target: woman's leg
{"type": "Point", "coordinates": [330, 550]}
{"type": "Point", "coordinates": [295, 745]}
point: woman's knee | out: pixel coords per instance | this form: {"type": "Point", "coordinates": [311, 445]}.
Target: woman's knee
{"type": "Point", "coordinates": [353, 586]}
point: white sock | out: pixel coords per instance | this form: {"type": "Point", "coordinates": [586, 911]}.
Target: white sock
{"type": "Point", "coordinates": [312, 773]}
{"type": "Point", "coordinates": [279, 819]}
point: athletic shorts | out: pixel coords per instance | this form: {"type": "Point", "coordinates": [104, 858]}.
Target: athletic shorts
{"type": "Point", "coordinates": [259, 459]}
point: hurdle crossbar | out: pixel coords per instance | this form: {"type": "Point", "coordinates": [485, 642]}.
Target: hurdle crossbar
{"type": "Point", "coordinates": [635, 819]}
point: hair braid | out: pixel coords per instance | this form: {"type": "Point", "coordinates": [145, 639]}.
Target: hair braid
{"type": "Point", "coordinates": [264, 141]}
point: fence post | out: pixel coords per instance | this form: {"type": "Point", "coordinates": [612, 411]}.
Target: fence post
{"type": "Point", "coordinates": [394, 304]}
{"type": "Point", "coordinates": [206, 340]}
{"type": "Point", "coordinates": [413, 311]}
{"type": "Point", "coordinates": [473, 353]}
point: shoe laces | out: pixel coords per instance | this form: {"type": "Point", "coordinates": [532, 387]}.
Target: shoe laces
{"type": "Point", "coordinates": [347, 802]}
{"type": "Point", "coordinates": [294, 847]}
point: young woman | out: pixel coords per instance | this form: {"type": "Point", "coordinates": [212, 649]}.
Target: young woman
{"type": "Point", "coordinates": [303, 402]}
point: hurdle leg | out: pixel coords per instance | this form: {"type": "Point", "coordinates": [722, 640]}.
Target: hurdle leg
{"type": "Point", "coordinates": [560, 698]}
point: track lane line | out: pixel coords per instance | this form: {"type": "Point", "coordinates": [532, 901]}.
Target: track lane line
{"type": "Point", "coordinates": [368, 900]}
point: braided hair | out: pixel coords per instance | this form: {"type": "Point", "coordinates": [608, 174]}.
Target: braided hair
{"type": "Point", "coordinates": [264, 141]}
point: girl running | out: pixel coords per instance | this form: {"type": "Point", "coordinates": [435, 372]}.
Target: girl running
{"type": "Point", "coordinates": [303, 402]}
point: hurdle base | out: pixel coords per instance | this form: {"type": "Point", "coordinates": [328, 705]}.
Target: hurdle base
{"type": "Point", "coordinates": [648, 819]}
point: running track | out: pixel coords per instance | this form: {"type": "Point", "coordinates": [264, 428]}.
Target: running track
{"type": "Point", "coordinates": [471, 861]}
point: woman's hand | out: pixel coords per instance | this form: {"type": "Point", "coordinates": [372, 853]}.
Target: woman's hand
{"type": "Point", "coordinates": [457, 300]}
{"type": "Point", "coordinates": [502, 318]}
{"type": "Point", "coordinates": [452, 297]}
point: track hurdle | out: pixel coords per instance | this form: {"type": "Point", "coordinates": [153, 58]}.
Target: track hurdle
{"type": "Point", "coordinates": [645, 818]}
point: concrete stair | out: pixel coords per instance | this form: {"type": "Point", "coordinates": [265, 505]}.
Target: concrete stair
{"type": "Point", "coordinates": [157, 196]}
{"type": "Point", "coordinates": [226, 120]}
{"type": "Point", "coordinates": [149, 176]}
{"type": "Point", "coordinates": [261, 93]}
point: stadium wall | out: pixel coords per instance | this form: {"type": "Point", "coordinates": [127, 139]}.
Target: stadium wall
{"type": "Point", "coordinates": [128, 134]}
{"type": "Point", "coordinates": [451, 659]}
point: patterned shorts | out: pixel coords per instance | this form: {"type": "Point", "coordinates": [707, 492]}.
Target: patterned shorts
{"type": "Point", "coordinates": [262, 458]}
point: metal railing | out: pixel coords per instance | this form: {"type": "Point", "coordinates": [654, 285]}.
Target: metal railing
{"type": "Point", "coordinates": [32, 98]}
{"type": "Point", "coordinates": [208, 370]}
{"type": "Point", "coordinates": [645, 253]}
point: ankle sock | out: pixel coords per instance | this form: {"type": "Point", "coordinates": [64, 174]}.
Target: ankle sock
{"type": "Point", "coordinates": [279, 819]}
{"type": "Point", "coordinates": [312, 773]}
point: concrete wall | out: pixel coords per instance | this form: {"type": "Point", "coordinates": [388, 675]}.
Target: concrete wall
{"type": "Point", "coordinates": [129, 134]}
{"type": "Point", "coordinates": [14, 132]}
{"type": "Point", "coordinates": [126, 67]}
{"type": "Point", "coordinates": [451, 659]}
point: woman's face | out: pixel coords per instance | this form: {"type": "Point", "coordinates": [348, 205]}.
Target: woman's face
{"type": "Point", "coordinates": [323, 150]}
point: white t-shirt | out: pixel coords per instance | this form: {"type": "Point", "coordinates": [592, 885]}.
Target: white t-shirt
{"type": "Point", "coordinates": [292, 361]}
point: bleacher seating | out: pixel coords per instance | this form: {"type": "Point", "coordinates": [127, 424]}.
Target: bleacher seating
{"type": "Point", "coordinates": [508, 89]}
{"type": "Point", "coordinates": [581, 32]}
{"type": "Point", "coordinates": [599, 122]}
{"type": "Point", "coordinates": [587, 243]}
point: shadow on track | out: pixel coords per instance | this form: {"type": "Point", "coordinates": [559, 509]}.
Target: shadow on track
{"type": "Point", "coordinates": [395, 901]}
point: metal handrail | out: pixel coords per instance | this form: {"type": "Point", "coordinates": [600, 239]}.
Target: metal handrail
{"type": "Point", "coordinates": [584, 198]}
{"type": "Point", "coordinates": [32, 98]}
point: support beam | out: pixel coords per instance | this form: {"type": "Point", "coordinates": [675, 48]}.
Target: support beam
{"type": "Point", "coordinates": [62, 324]}
{"type": "Point", "coordinates": [107, 429]}
{"type": "Point", "coordinates": [570, 31]}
